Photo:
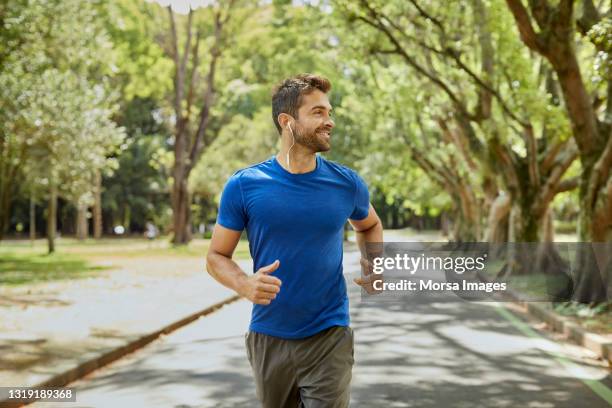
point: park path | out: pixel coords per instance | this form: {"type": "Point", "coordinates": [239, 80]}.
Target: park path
{"type": "Point", "coordinates": [420, 351]}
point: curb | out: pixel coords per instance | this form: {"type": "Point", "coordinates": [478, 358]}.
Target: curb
{"type": "Point", "coordinates": [86, 367]}
{"type": "Point", "coordinates": [601, 346]}
{"type": "Point", "coordinates": [572, 331]}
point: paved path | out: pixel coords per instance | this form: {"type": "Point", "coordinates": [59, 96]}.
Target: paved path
{"type": "Point", "coordinates": [418, 352]}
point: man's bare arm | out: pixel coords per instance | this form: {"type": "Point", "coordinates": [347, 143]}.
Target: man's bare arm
{"type": "Point", "coordinates": [368, 230]}
{"type": "Point", "coordinates": [260, 288]}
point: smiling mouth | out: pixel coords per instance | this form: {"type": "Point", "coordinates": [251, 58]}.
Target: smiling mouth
{"type": "Point", "coordinates": [325, 133]}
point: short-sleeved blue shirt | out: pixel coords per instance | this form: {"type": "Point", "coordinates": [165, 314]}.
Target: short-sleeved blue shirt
{"type": "Point", "coordinates": [299, 220]}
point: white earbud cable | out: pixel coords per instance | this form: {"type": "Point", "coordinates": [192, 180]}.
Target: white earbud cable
{"type": "Point", "coordinates": [288, 160]}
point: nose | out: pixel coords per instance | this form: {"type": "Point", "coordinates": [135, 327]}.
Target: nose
{"type": "Point", "coordinates": [330, 123]}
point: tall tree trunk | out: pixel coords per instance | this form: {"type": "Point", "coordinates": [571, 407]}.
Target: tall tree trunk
{"type": "Point", "coordinates": [81, 222]}
{"type": "Point", "coordinates": [549, 227]}
{"type": "Point", "coordinates": [444, 224]}
{"type": "Point", "coordinates": [190, 141]}
{"type": "Point", "coordinates": [32, 218]}
{"type": "Point", "coordinates": [528, 227]}
{"type": "Point", "coordinates": [466, 222]}
{"type": "Point", "coordinates": [182, 212]}
{"type": "Point", "coordinates": [497, 225]}
{"type": "Point", "coordinates": [52, 218]}
{"type": "Point", "coordinates": [594, 219]}
{"type": "Point", "coordinates": [471, 215]}
{"type": "Point", "coordinates": [97, 208]}
{"type": "Point", "coordinates": [127, 218]}
{"type": "Point", "coordinates": [591, 274]}
{"type": "Point", "coordinates": [5, 202]}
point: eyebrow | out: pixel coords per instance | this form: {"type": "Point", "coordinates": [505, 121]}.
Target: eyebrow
{"type": "Point", "coordinates": [320, 107]}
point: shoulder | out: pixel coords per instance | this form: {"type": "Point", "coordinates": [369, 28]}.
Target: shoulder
{"type": "Point", "coordinates": [342, 171]}
{"type": "Point", "coordinates": [253, 172]}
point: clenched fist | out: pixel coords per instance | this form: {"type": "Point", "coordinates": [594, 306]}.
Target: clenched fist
{"type": "Point", "coordinates": [368, 278]}
{"type": "Point", "coordinates": [261, 288]}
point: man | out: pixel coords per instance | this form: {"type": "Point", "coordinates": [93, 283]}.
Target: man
{"type": "Point", "coordinates": [294, 207]}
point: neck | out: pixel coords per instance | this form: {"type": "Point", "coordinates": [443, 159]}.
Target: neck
{"type": "Point", "coordinates": [301, 159]}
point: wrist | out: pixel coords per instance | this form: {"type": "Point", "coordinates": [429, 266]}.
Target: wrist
{"type": "Point", "coordinates": [242, 285]}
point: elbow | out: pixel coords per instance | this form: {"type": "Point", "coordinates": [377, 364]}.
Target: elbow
{"type": "Point", "coordinates": [376, 224]}
{"type": "Point", "coordinates": [210, 263]}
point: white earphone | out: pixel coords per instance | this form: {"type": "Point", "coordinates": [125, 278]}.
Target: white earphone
{"type": "Point", "coordinates": [288, 159]}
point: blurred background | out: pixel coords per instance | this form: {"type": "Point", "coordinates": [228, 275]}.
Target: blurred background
{"type": "Point", "coordinates": [121, 116]}
{"type": "Point", "coordinates": [485, 120]}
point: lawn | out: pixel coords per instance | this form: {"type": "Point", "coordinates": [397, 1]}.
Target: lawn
{"type": "Point", "coordinates": [22, 263]}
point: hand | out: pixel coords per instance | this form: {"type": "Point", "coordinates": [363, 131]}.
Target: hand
{"type": "Point", "coordinates": [261, 288]}
{"type": "Point", "coordinates": [368, 277]}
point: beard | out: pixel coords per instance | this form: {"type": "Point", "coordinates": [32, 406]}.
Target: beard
{"type": "Point", "coordinates": [312, 139]}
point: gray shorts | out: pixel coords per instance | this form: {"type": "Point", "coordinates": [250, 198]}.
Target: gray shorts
{"type": "Point", "coordinates": [311, 372]}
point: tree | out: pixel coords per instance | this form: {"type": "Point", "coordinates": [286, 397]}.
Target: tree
{"type": "Point", "coordinates": [75, 125]}
{"type": "Point", "coordinates": [484, 115]}
{"type": "Point", "coordinates": [554, 40]}
{"type": "Point", "coordinates": [58, 106]}
{"type": "Point", "coordinates": [189, 140]}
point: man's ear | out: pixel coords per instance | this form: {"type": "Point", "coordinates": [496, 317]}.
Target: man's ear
{"type": "Point", "coordinates": [283, 120]}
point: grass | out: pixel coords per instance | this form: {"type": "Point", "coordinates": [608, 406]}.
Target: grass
{"type": "Point", "coordinates": [21, 269]}
{"type": "Point", "coordinates": [593, 318]}
{"type": "Point", "coordinates": [120, 247]}
{"type": "Point", "coordinates": [22, 263]}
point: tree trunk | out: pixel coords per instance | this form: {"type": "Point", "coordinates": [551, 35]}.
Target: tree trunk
{"type": "Point", "coordinates": [32, 219]}
{"type": "Point", "coordinates": [181, 212]}
{"type": "Point", "coordinates": [52, 218]}
{"type": "Point", "coordinates": [81, 222]}
{"type": "Point", "coordinates": [592, 274]}
{"type": "Point", "coordinates": [526, 231]}
{"type": "Point", "coordinates": [5, 201]}
{"type": "Point", "coordinates": [189, 144]}
{"type": "Point", "coordinates": [465, 228]}
{"type": "Point", "coordinates": [592, 268]}
{"type": "Point", "coordinates": [470, 214]}
{"type": "Point", "coordinates": [127, 218]}
{"type": "Point", "coordinates": [97, 208]}
{"type": "Point", "coordinates": [549, 227]}
{"type": "Point", "coordinates": [445, 227]}
{"type": "Point", "coordinates": [497, 228]}
{"type": "Point", "coordinates": [531, 252]}
{"type": "Point", "coordinates": [528, 226]}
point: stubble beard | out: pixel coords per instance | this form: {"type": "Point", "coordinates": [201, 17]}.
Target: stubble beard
{"type": "Point", "coordinates": [311, 139]}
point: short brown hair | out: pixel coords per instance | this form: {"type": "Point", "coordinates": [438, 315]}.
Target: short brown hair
{"type": "Point", "coordinates": [287, 97]}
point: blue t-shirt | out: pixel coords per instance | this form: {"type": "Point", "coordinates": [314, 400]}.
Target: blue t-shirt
{"type": "Point", "coordinates": [299, 220]}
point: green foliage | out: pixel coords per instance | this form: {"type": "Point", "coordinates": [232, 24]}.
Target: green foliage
{"type": "Point", "coordinates": [582, 310]}
{"type": "Point", "coordinates": [56, 122]}
{"type": "Point", "coordinates": [141, 67]}
{"type": "Point", "coordinates": [74, 74]}
{"type": "Point", "coordinates": [137, 191]}
{"type": "Point", "coordinates": [241, 143]}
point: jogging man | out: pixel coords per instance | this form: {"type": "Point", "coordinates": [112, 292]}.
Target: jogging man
{"type": "Point", "coordinates": [294, 207]}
